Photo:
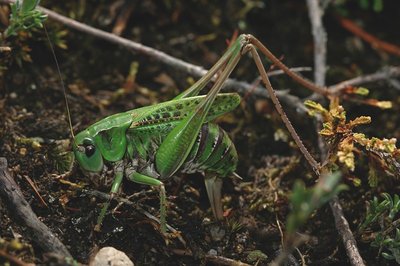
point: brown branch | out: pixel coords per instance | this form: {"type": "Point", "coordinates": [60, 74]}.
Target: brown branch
{"type": "Point", "coordinates": [347, 236]}
{"type": "Point", "coordinates": [152, 53]}
{"type": "Point", "coordinates": [315, 13]}
{"type": "Point", "coordinates": [384, 74]}
{"type": "Point", "coordinates": [20, 209]}
{"type": "Point", "coordinates": [178, 64]}
{"type": "Point", "coordinates": [219, 260]}
{"type": "Point", "coordinates": [371, 39]}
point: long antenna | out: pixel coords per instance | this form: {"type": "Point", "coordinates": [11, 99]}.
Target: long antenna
{"type": "Point", "coordinates": [62, 82]}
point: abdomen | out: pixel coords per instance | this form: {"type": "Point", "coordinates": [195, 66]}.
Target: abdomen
{"type": "Point", "coordinates": [213, 151]}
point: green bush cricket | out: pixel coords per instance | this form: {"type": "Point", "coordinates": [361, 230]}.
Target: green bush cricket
{"type": "Point", "coordinates": [150, 144]}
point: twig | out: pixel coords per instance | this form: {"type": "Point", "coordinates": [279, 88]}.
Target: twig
{"type": "Point", "coordinates": [219, 260]}
{"type": "Point", "coordinates": [371, 39]}
{"type": "Point", "coordinates": [161, 57]}
{"type": "Point", "coordinates": [347, 236]}
{"type": "Point", "coordinates": [384, 74]}
{"type": "Point", "coordinates": [178, 64]}
{"type": "Point", "coordinates": [20, 209]}
{"type": "Point", "coordinates": [35, 189]}
{"type": "Point", "coordinates": [394, 83]}
{"type": "Point", "coordinates": [315, 13]}
{"type": "Point", "coordinates": [320, 38]}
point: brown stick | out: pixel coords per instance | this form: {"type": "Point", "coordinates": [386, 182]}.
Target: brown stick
{"type": "Point", "coordinates": [343, 227]}
{"type": "Point", "coordinates": [219, 260]}
{"type": "Point", "coordinates": [20, 209]}
{"type": "Point", "coordinates": [384, 74]}
{"type": "Point", "coordinates": [162, 57]}
{"type": "Point", "coordinates": [369, 38]}
{"type": "Point", "coordinates": [178, 64]}
{"type": "Point", "coordinates": [315, 13]}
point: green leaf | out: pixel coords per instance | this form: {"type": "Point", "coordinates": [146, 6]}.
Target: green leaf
{"type": "Point", "coordinates": [362, 91]}
{"type": "Point", "coordinates": [387, 256]}
{"type": "Point", "coordinates": [305, 201]}
{"type": "Point", "coordinates": [29, 5]}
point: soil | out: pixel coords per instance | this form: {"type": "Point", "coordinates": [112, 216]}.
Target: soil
{"type": "Point", "coordinates": [103, 79]}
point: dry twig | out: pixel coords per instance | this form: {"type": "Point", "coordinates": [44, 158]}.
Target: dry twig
{"type": "Point", "coordinates": [178, 64]}
{"type": "Point", "coordinates": [152, 53]}
{"type": "Point", "coordinates": [20, 209]}
{"type": "Point", "coordinates": [369, 38]}
{"type": "Point", "coordinates": [316, 14]}
{"type": "Point", "coordinates": [219, 260]}
{"type": "Point", "coordinates": [347, 236]}
{"type": "Point", "coordinates": [384, 74]}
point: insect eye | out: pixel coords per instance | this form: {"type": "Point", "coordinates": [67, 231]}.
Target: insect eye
{"type": "Point", "coordinates": [90, 150]}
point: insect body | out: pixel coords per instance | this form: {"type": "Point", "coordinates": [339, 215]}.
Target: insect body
{"type": "Point", "coordinates": [150, 144]}
{"type": "Point", "coordinates": [132, 141]}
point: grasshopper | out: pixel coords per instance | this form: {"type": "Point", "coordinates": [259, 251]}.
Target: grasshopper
{"type": "Point", "coordinates": [150, 144]}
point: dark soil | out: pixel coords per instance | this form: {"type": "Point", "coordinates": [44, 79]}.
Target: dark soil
{"type": "Point", "coordinates": [34, 133]}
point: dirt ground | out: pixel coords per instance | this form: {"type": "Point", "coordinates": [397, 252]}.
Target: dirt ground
{"type": "Point", "coordinates": [103, 79]}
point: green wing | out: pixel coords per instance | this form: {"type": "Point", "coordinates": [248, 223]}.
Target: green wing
{"type": "Point", "coordinates": [172, 112]}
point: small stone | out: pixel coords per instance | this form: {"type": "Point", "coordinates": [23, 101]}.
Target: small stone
{"type": "Point", "coordinates": [13, 95]}
{"type": "Point", "coordinates": [212, 252]}
{"type": "Point", "coordinates": [217, 233]}
{"type": "Point", "coordinates": [109, 256]}
{"type": "Point", "coordinates": [22, 151]}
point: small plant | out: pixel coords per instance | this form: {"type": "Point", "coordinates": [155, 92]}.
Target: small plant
{"type": "Point", "coordinates": [24, 17]}
{"type": "Point", "coordinates": [376, 5]}
{"type": "Point", "coordinates": [382, 214]}
{"type": "Point", "coordinates": [382, 154]}
{"type": "Point", "coordinates": [305, 201]}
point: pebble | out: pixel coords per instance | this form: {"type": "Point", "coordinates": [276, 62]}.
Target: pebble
{"type": "Point", "coordinates": [109, 256]}
{"type": "Point", "coordinates": [217, 233]}
{"type": "Point", "coordinates": [212, 252]}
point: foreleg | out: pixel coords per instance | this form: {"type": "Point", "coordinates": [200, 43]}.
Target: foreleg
{"type": "Point", "coordinates": [150, 181]}
{"type": "Point", "coordinates": [119, 174]}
